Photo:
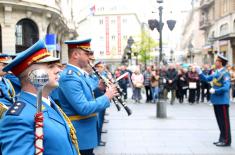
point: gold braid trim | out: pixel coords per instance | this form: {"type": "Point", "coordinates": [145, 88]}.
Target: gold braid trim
{"type": "Point", "coordinates": [38, 57]}
{"type": "Point", "coordinates": [3, 108]}
{"type": "Point", "coordinates": [216, 82]}
{"type": "Point", "coordinates": [72, 130]}
{"type": "Point", "coordinates": [13, 94]}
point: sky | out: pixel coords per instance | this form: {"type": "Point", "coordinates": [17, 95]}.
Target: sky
{"type": "Point", "coordinates": [172, 9]}
{"type": "Point", "coordinates": [175, 10]}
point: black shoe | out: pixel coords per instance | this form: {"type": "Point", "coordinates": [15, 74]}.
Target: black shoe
{"type": "Point", "coordinates": [216, 142]}
{"type": "Point", "coordinates": [222, 144]}
{"type": "Point", "coordinates": [106, 121]}
{"type": "Point", "coordinates": [102, 143]}
{"type": "Point", "coordinates": [104, 131]}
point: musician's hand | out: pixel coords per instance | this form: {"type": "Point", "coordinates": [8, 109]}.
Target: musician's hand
{"type": "Point", "coordinates": [212, 90]}
{"type": "Point", "coordinates": [101, 85]}
{"type": "Point", "coordinates": [198, 70]}
{"type": "Point", "coordinates": [111, 92]}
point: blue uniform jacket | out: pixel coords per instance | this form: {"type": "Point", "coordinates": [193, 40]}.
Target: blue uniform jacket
{"type": "Point", "coordinates": [17, 130]}
{"type": "Point", "coordinates": [76, 98]}
{"type": "Point", "coordinates": [7, 92]}
{"type": "Point", "coordinates": [221, 95]}
{"type": "Point", "coordinates": [14, 81]}
{"type": "Point", "coordinates": [94, 81]}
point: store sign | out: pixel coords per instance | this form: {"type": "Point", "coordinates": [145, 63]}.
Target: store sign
{"type": "Point", "coordinates": [51, 42]}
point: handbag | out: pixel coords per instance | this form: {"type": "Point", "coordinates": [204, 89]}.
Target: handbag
{"type": "Point", "coordinates": [192, 85]}
{"type": "Point", "coordinates": [139, 85]}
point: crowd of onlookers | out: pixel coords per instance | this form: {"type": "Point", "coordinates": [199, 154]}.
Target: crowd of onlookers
{"type": "Point", "coordinates": [182, 82]}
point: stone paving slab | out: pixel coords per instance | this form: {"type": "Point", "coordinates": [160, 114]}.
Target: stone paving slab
{"type": "Point", "coordinates": [188, 130]}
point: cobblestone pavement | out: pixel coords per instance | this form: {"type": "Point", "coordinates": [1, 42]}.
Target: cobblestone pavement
{"type": "Point", "coordinates": [187, 130]}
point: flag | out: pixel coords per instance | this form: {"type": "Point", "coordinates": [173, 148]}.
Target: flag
{"type": "Point", "coordinates": [92, 10]}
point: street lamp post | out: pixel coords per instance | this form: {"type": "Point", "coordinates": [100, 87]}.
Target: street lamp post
{"type": "Point", "coordinates": [136, 58]}
{"type": "Point", "coordinates": [130, 42]}
{"type": "Point", "coordinates": [211, 42]}
{"type": "Point", "coordinates": [153, 23]}
{"type": "Point", "coordinates": [190, 48]}
{"type": "Point", "coordinates": [172, 53]}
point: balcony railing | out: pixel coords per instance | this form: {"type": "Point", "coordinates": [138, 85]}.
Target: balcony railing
{"type": "Point", "coordinates": [206, 3]}
{"type": "Point", "coordinates": [204, 24]}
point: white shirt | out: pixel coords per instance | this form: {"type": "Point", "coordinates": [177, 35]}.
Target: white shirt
{"type": "Point", "coordinates": [220, 69]}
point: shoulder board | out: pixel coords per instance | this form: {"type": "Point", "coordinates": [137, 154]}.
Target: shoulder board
{"type": "Point", "coordinates": [3, 109]}
{"type": "Point", "coordinates": [70, 72]}
{"type": "Point", "coordinates": [16, 109]}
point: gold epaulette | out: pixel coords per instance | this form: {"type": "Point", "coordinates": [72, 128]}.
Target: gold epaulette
{"type": "Point", "coordinates": [215, 82]}
{"type": "Point", "coordinates": [3, 109]}
{"type": "Point", "coordinates": [78, 117]}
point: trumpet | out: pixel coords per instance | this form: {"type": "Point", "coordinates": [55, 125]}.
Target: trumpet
{"type": "Point", "coordinates": [116, 99]}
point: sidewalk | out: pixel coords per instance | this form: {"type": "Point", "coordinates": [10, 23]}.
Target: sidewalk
{"type": "Point", "coordinates": [188, 130]}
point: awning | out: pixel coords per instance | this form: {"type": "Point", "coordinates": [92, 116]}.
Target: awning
{"type": "Point", "coordinates": [226, 37]}
{"type": "Point", "coordinates": [223, 48]}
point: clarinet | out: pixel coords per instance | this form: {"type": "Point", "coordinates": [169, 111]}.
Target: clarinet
{"type": "Point", "coordinates": [106, 84]}
{"type": "Point", "coordinates": [117, 98]}
{"type": "Point", "coordinates": [119, 89]}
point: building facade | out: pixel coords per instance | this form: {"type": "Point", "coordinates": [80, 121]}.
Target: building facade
{"type": "Point", "coordinates": [192, 37]}
{"type": "Point", "coordinates": [23, 22]}
{"type": "Point", "coordinates": [110, 25]}
{"type": "Point", "coordinates": [218, 21]}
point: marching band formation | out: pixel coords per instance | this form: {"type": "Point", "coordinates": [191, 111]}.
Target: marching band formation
{"type": "Point", "coordinates": [47, 108]}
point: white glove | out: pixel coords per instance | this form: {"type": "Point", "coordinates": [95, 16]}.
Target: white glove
{"type": "Point", "coordinates": [212, 90]}
{"type": "Point", "coordinates": [198, 70]}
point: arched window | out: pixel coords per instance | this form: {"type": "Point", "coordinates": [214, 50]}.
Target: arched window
{"type": "Point", "coordinates": [26, 34]}
{"type": "Point", "coordinates": [224, 29]}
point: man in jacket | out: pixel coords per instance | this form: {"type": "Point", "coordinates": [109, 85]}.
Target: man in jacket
{"type": "Point", "coordinates": [220, 98]}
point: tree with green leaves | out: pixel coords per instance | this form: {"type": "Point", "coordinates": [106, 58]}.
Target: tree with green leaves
{"type": "Point", "coordinates": [144, 47]}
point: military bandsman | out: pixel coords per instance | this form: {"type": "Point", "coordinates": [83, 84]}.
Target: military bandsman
{"type": "Point", "coordinates": [77, 97]}
{"type": "Point", "coordinates": [220, 82]}
{"type": "Point", "coordinates": [7, 91]}
{"type": "Point", "coordinates": [17, 126]}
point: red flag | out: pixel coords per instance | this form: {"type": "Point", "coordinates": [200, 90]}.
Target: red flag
{"type": "Point", "coordinates": [92, 10]}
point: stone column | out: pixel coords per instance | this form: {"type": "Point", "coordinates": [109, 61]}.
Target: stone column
{"type": "Point", "coordinates": [8, 31]}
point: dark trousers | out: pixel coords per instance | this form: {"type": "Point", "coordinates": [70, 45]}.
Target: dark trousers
{"type": "Point", "coordinates": [197, 94]}
{"type": "Point", "coordinates": [87, 152]}
{"type": "Point", "coordinates": [203, 94]}
{"type": "Point", "coordinates": [100, 124]}
{"type": "Point", "coordinates": [181, 92]}
{"type": "Point", "coordinates": [222, 117]}
{"type": "Point", "coordinates": [124, 90]}
{"type": "Point", "coordinates": [148, 93]}
{"type": "Point", "coordinates": [192, 95]}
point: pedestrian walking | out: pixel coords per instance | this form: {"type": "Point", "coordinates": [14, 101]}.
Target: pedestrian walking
{"type": "Point", "coordinates": [171, 82]}
{"type": "Point", "coordinates": [138, 83]}
{"type": "Point", "coordinates": [147, 84]}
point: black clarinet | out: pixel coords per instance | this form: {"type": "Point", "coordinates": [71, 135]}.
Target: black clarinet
{"type": "Point", "coordinates": [106, 84]}
{"type": "Point", "coordinates": [119, 89]}
{"type": "Point", "coordinates": [115, 99]}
